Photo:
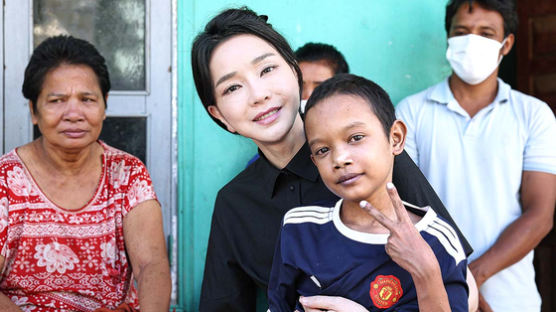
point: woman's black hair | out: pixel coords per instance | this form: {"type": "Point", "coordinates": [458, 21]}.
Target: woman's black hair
{"type": "Point", "coordinates": [225, 25]}
{"type": "Point", "coordinates": [58, 50]}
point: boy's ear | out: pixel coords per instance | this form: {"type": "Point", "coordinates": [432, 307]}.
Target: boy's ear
{"type": "Point", "coordinates": [215, 112]}
{"type": "Point", "coordinates": [397, 137]}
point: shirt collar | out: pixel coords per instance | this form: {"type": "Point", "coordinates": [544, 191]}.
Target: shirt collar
{"type": "Point", "coordinates": [300, 165]}
{"type": "Point", "coordinates": [442, 94]}
{"type": "Point", "coordinates": [503, 95]}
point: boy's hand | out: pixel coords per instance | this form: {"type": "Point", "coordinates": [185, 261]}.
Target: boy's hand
{"type": "Point", "coordinates": [405, 245]}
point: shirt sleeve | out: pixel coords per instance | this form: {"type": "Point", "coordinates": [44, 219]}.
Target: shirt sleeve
{"type": "Point", "coordinates": [540, 150]}
{"type": "Point", "coordinates": [404, 113]}
{"type": "Point", "coordinates": [452, 262]}
{"type": "Point", "coordinates": [226, 286]}
{"type": "Point", "coordinates": [456, 289]}
{"type": "Point", "coordinates": [140, 187]}
{"type": "Point", "coordinates": [282, 292]}
{"type": "Point", "coordinates": [454, 277]}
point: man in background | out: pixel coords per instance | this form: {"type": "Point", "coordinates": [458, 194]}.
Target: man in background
{"type": "Point", "coordinates": [318, 62]}
{"type": "Point", "coordinates": [489, 153]}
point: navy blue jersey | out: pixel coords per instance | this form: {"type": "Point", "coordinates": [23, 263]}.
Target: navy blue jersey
{"type": "Point", "coordinates": [319, 255]}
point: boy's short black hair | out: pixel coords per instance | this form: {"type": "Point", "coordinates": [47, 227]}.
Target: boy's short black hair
{"type": "Point", "coordinates": [315, 52]}
{"type": "Point", "coordinates": [349, 84]}
{"type": "Point", "coordinates": [58, 50]}
{"type": "Point", "coordinates": [506, 8]}
{"type": "Point", "coordinates": [223, 26]}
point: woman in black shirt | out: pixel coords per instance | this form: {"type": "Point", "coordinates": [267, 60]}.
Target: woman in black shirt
{"type": "Point", "coordinates": [249, 82]}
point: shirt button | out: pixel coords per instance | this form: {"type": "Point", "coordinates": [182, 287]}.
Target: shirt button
{"type": "Point", "coordinates": [292, 188]}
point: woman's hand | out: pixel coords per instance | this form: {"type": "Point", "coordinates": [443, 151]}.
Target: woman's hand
{"type": "Point", "coordinates": [476, 270]}
{"type": "Point", "coordinates": [483, 305]}
{"type": "Point", "coordinates": [473, 298]}
{"type": "Point", "coordinates": [331, 304]}
{"type": "Point", "coordinates": [405, 245]}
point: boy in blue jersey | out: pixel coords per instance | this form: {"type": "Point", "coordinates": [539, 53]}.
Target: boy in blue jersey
{"type": "Point", "coordinates": [368, 247]}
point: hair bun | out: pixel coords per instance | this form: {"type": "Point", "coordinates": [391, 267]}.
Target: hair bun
{"type": "Point", "coordinates": [263, 18]}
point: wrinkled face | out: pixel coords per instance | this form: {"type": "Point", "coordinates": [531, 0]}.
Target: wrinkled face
{"type": "Point", "coordinates": [70, 107]}
{"type": "Point", "coordinates": [481, 22]}
{"type": "Point", "coordinates": [256, 91]}
{"type": "Point", "coordinates": [314, 73]}
{"type": "Point", "coordinates": [349, 147]}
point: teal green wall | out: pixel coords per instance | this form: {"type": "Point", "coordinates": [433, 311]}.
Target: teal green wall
{"type": "Point", "coordinates": [400, 44]}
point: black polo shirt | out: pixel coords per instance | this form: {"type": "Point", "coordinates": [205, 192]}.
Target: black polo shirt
{"type": "Point", "coordinates": [248, 214]}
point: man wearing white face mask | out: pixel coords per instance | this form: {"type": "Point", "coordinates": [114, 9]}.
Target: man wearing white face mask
{"type": "Point", "coordinates": [489, 153]}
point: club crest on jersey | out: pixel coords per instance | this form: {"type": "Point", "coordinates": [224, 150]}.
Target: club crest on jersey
{"type": "Point", "coordinates": [386, 291]}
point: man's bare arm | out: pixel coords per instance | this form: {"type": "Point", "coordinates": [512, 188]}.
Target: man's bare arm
{"type": "Point", "coordinates": [538, 197]}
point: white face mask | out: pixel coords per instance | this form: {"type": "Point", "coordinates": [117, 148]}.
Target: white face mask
{"type": "Point", "coordinates": [473, 58]}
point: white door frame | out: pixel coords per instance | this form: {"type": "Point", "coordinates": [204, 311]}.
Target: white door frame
{"type": "Point", "coordinates": [2, 150]}
{"type": "Point", "coordinates": [156, 103]}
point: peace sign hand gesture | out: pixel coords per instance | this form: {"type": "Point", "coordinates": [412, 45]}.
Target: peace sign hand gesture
{"type": "Point", "coordinates": [409, 250]}
{"type": "Point", "coordinates": [405, 245]}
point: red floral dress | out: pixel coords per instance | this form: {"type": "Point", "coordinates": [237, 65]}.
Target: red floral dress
{"type": "Point", "coordinates": [60, 260]}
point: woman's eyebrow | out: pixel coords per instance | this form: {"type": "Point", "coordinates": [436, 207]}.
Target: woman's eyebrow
{"type": "Point", "coordinates": [89, 93]}
{"type": "Point", "coordinates": [55, 94]}
{"type": "Point", "coordinates": [254, 61]}
{"type": "Point", "coordinates": [224, 78]}
{"type": "Point", "coordinates": [262, 57]}
{"type": "Point", "coordinates": [63, 94]}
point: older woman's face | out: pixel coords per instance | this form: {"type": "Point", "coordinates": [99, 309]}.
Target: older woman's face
{"type": "Point", "coordinates": [70, 107]}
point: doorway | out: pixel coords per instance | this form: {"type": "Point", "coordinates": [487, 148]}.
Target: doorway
{"type": "Point", "coordinates": [136, 39]}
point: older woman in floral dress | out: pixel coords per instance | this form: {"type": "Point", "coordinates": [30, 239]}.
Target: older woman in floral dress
{"type": "Point", "coordinates": [79, 220]}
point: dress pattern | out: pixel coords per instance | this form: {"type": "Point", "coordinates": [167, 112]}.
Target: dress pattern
{"type": "Point", "coordinates": [62, 260]}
